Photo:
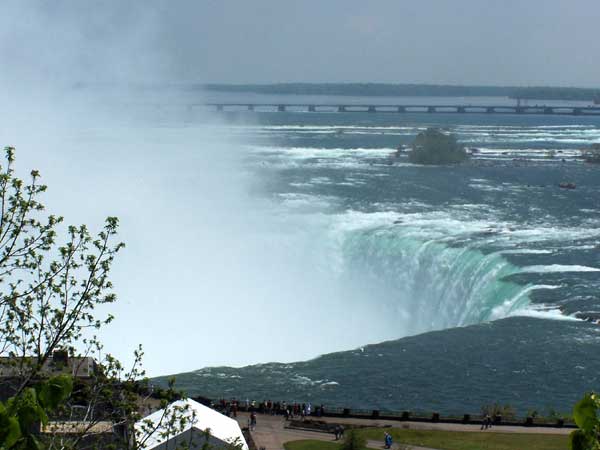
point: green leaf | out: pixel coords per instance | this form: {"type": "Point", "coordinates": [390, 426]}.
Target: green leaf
{"type": "Point", "coordinates": [584, 413]}
{"type": "Point", "coordinates": [580, 440]}
{"type": "Point", "coordinates": [10, 431]}
{"type": "Point", "coordinates": [54, 391]}
{"type": "Point", "coordinates": [33, 443]}
{"type": "Point", "coordinates": [28, 410]}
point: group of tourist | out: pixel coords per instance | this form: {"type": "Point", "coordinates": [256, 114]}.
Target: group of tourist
{"type": "Point", "coordinates": [338, 431]}
{"type": "Point", "coordinates": [290, 411]}
{"type": "Point", "coordinates": [486, 422]}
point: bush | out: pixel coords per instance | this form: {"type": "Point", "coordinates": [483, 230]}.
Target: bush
{"type": "Point", "coordinates": [434, 147]}
{"type": "Point", "coordinates": [507, 412]}
{"type": "Point", "coordinates": [585, 413]}
{"type": "Point", "coordinates": [354, 441]}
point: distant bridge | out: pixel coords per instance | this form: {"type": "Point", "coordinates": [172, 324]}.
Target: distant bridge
{"type": "Point", "coordinates": [370, 108]}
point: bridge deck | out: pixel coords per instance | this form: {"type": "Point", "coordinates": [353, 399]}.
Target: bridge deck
{"type": "Point", "coordinates": [389, 108]}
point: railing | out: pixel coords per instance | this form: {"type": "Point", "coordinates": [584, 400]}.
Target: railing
{"type": "Point", "coordinates": [410, 416]}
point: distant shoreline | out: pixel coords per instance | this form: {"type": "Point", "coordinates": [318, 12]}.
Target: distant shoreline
{"type": "Point", "coordinates": [408, 90]}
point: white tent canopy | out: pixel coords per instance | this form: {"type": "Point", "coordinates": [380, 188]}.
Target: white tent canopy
{"type": "Point", "coordinates": [223, 430]}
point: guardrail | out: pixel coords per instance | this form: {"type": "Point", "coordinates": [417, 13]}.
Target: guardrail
{"type": "Point", "coordinates": [410, 416]}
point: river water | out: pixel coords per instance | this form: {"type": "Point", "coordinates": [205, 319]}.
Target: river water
{"type": "Point", "coordinates": [493, 245]}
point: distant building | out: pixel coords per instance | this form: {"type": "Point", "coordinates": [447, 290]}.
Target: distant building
{"type": "Point", "coordinates": [13, 370]}
{"type": "Point", "coordinates": [59, 363]}
{"type": "Point", "coordinates": [222, 430]}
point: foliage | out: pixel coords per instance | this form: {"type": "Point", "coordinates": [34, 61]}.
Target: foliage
{"type": "Point", "coordinates": [21, 415]}
{"type": "Point", "coordinates": [506, 411]}
{"type": "Point", "coordinates": [586, 415]}
{"type": "Point", "coordinates": [354, 441]}
{"type": "Point", "coordinates": [49, 295]}
{"type": "Point", "coordinates": [555, 93]}
{"type": "Point", "coordinates": [554, 415]}
{"type": "Point", "coordinates": [434, 147]}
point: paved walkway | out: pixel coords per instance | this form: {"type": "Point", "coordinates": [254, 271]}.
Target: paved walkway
{"type": "Point", "coordinates": [271, 433]}
{"type": "Point", "coordinates": [447, 426]}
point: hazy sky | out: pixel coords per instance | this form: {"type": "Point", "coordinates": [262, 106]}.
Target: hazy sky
{"type": "Point", "coordinates": [431, 41]}
{"type": "Point", "coordinates": [508, 42]}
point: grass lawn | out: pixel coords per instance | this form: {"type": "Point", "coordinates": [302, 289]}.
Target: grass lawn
{"type": "Point", "coordinates": [450, 440]}
{"type": "Point", "coordinates": [466, 440]}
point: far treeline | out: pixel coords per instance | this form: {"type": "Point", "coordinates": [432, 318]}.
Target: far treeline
{"type": "Point", "coordinates": [409, 90]}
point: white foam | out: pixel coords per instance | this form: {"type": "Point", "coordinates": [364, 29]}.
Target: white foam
{"type": "Point", "coordinates": [526, 251]}
{"type": "Point", "coordinates": [583, 247]}
{"type": "Point", "coordinates": [558, 268]}
{"type": "Point", "coordinates": [542, 153]}
{"type": "Point", "coordinates": [322, 152]}
{"type": "Point", "coordinates": [297, 200]}
{"type": "Point", "coordinates": [334, 127]}
{"type": "Point", "coordinates": [543, 312]}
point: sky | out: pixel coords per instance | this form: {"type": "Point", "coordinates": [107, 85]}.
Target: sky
{"type": "Point", "coordinates": [483, 42]}
{"type": "Point", "coordinates": [204, 259]}
{"type": "Point", "coordinates": [486, 42]}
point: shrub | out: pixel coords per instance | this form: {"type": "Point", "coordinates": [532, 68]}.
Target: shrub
{"type": "Point", "coordinates": [354, 441]}
{"type": "Point", "coordinates": [585, 413]}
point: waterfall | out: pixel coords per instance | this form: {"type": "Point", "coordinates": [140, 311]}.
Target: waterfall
{"type": "Point", "coordinates": [428, 284]}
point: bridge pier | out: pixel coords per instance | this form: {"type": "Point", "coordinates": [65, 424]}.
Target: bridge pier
{"type": "Point", "coordinates": [341, 108]}
{"type": "Point", "coordinates": [489, 109]}
{"type": "Point", "coordinates": [280, 108]}
{"type": "Point", "coordinates": [519, 110]}
{"type": "Point", "coordinates": [250, 107]}
{"type": "Point", "coordinates": [460, 109]}
{"type": "Point", "coordinates": [431, 109]}
{"type": "Point", "coordinates": [576, 111]}
{"type": "Point", "coordinates": [311, 108]}
{"type": "Point", "coordinates": [548, 110]}
{"type": "Point", "coordinates": [371, 109]}
{"type": "Point", "coordinates": [401, 109]}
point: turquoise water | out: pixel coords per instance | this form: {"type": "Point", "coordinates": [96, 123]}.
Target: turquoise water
{"type": "Point", "coordinates": [491, 253]}
{"type": "Point", "coordinates": [487, 239]}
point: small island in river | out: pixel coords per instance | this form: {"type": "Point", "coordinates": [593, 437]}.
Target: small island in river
{"type": "Point", "coordinates": [433, 146]}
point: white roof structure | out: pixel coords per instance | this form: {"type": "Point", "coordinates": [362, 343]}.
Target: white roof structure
{"type": "Point", "coordinates": [223, 430]}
